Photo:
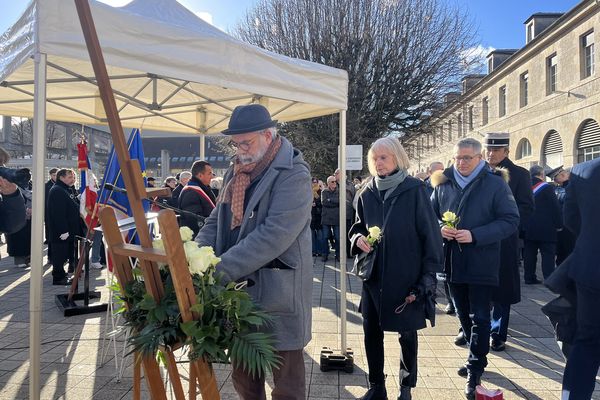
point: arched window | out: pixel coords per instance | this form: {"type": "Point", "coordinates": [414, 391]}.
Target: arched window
{"type": "Point", "coordinates": [552, 150]}
{"type": "Point", "coordinates": [523, 149]}
{"type": "Point", "coordinates": [588, 141]}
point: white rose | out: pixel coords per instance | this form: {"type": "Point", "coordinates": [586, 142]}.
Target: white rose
{"type": "Point", "coordinates": [190, 249]}
{"type": "Point", "coordinates": [158, 244]}
{"type": "Point", "coordinates": [209, 254]}
{"type": "Point", "coordinates": [186, 233]}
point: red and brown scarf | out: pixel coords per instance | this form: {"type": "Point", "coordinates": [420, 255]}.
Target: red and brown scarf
{"type": "Point", "coordinates": [243, 175]}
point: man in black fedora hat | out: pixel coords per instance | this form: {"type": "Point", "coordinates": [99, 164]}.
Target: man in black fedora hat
{"type": "Point", "coordinates": [261, 230]}
{"type": "Point", "coordinates": [509, 289]}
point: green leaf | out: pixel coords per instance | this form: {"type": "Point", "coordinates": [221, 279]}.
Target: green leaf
{"type": "Point", "coordinates": [189, 328]}
{"type": "Point", "coordinates": [147, 303]}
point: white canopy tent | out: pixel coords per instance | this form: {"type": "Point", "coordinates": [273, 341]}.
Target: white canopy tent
{"type": "Point", "coordinates": [169, 70]}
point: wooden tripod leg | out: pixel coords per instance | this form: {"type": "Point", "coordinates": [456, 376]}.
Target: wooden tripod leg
{"type": "Point", "coordinates": [137, 377]}
{"type": "Point", "coordinates": [193, 383]}
{"type": "Point", "coordinates": [174, 374]}
{"type": "Point", "coordinates": [153, 378]}
{"type": "Point", "coordinates": [206, 379]}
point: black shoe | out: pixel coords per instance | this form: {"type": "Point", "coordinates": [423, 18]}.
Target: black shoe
{"type": "Point", "coordinates": [405, 393]}
{"type": "Point", "coordinates": [450, 310]}
{"type": "Point", "coordinates": [377, 391]}
{"type": "Point", "coordinates": [71, 269]}
{"type": "Point", "coordinates": [460, 339]}
{"type": "Point", "coordinates": [533, 282]}
{"type": "Point", "coordinates": [462, 371]}
{"type": "Point", "coordinates": [498, 345]}
{"type": "Point", "coordinates": [62, 281]}
{"type": "Point", "coordinates": [472, 381]}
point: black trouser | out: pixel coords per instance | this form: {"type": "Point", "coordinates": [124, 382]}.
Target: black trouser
{"type": "Point", "coordinates": [289, 380]}
{"type": "Point", "coordinates": [473, 308]}
{"type": "Point", "coordinates": [548, 251]}
{"type": "Point", "coordinates": [584, 358]}
{"type": "Point", "coordinates": [374, 346]}
{"type": "Point", "coordinates": [61, 252]}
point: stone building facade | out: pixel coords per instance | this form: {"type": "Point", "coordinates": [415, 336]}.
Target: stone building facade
{"type": "Point", "coordinates": [546, 95]}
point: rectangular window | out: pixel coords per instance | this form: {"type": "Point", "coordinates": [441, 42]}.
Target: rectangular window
{"type": "Point", "coordinates": [591, 153]}
{"type": "Point", "coordinates": [484, 111]}
{"type": "Point", "coordinates": [470, 118]}
{"type": "Point", "coordinates": [524, 89]}
{"type": "Point", "coordinates": [529, 32]}
{"type": "Point", "coordinates": [551, 74]}
{"type": "Point", "coordinates": [587, 54]}
{"type": "Point", "coordinates": [490, 65]}
{"type": "Point", "coordinates": [502, 101]}
{"type": "Point", "coordinates": [459, 125]}
{"type": "Point", "coordinates": [449, 131]}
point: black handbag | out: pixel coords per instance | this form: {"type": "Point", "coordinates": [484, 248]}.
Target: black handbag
{"type": "Point", "coordinates": [364, 262]}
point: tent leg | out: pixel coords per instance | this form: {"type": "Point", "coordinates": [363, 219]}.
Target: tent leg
{"type": "Point", "coordinates": [343, 360]}
{"type": "Point", "coordinates": [37, 228]}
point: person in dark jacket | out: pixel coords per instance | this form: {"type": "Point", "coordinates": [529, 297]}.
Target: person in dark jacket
{"type": "Point", "coordinates": [508, 291]}
{"type": "Point", "coordinates": [487, 213]}
{"type": "Point", "coordinates": [197, 197]}
{"type": "Point", "coordinates": [12, 203]}
{"type": "Point", "coordinates": [64, 223]}
{"type": "Point", "coordinates": [330, 218]}
{"type": "Point", "coordinates": [565, 239]}
{"type": "Point", "coordinates": [398, 296]}
{"type": "Point", "coordinates": [315, 220]}
{"type": "Point", "coordinates": [18, 244]}
{"type": "Point", "coordinates": [541, 227]}
{"type": "Point", "coordinates": [47, 188]}
{"type": "Point", "coordinates": [582, 217]}
{"type": "Point", "coordinates": [182, 179]}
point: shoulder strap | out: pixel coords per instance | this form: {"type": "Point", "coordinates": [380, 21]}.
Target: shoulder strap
{"type": "Point", "coordinates": [387, 215]}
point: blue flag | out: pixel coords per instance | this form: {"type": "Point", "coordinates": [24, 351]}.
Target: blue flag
{"type": "Point", "coordinates": [113, 176]}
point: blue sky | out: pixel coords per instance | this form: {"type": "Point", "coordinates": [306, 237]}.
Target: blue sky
{"type": "Point", "coordinates": [499, 23]}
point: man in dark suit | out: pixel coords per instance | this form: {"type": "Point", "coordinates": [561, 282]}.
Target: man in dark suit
{"type": "Point", "coordinates": [49, 185]}
{"type": "Point", "coordinates": [64, 223]}
{"type": "Point", "coordinates": [582, 216]}
{"type": "Point", "coordinates": [565, 240]}
{"type": "Point", "coordinates": [541, 227]}
{"type": "Point", "coordinates": [197, 197]}
{"type": "Point", "coordinates": [508, 291]}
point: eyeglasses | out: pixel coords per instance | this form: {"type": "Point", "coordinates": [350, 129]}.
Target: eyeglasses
{"type": "Point", "coordinates": [466, 159]}
{"type": "Point", "coordinates": [243, 145]}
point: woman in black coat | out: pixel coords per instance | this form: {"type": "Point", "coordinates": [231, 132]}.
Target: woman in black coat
{"type": "Point", "coordinates": [398, 296]}
{"type": "Point", "coordinates": [315, 221]}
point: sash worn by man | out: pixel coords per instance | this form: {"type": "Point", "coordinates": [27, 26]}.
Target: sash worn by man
{"type": "Point", "coordinates": [261, 230]}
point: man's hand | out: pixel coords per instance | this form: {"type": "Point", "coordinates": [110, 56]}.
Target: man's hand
{"type": "Point", "coordinates": [448, 233]}
{"type": "Point", "coordinates": [28, 212]}
{"type": "Point", "coordinates": [64, 236]}
{"type": "Point", "coordinates": [362, 244]}
{"type": "Point", "coordinates": [7, 187]}
{"type": "Point", "coordinates": [463, 236]}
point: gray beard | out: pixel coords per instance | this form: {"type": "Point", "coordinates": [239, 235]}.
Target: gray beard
{"type": "Point", "coordinates": [247, 159]}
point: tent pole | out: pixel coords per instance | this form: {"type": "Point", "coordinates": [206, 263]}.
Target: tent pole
{"type": "Point", "coordinates": [342, 244]}
{"type": "Point", "coordinates": [37, 228]}
{"type": "Point", "coordinates": [203, 146]}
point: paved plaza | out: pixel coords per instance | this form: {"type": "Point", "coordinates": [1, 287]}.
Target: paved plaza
{"type": "Point", "coordinates": [72, 367]}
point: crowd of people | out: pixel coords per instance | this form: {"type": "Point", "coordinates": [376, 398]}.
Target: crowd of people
{"type": "Point", "coordinates": [469, 225]}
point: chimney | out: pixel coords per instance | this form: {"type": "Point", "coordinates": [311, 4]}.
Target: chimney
{"type": "Point", "coordinates": [537, 23]}
{"type": "Point", "coordinates": [468, 81]}
{"type": "Point", "coordinates": [497, 57]}
{"type": "Point", "coordinates": [450, 98]}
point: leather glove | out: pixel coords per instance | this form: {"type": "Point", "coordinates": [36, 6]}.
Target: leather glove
{"type": "Point", "coordinates": [64, 236]}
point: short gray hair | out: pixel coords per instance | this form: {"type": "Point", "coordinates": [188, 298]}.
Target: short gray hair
{"type": "Point", "coordinates": [273, 131]}
{"type": "Point", "coordinates": [536, 170]}
{"type": "Point", "coordinates": [469, 142]}
{"type": "Point", "coordinates": [185, 175]}
{"type": "Point", "coordinates": [392, 145]}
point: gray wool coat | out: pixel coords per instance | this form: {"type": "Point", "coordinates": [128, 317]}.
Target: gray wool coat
{"type": "Point", "coordinates": [276, 225]}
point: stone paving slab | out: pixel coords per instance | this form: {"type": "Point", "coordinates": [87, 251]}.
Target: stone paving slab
{"type": "Point", "coordinates": [73, 366]}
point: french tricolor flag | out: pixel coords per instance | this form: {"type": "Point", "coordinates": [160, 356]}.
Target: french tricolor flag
{"type": "Point", "coordinates": [88, 189]}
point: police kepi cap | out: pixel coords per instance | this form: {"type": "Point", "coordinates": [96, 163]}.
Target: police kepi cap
{"type": "Point", "coordinates": [496, 139]}
{"type": "Point", "coordinates": [249, 118]}
{"type": "Point", "coordinates": [555, 171]}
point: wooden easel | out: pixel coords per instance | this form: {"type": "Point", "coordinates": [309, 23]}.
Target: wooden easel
{"type": "Point", "coordinates": [120, 252]}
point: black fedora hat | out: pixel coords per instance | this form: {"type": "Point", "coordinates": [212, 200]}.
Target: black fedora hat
{"type": "Point", "coordinates": [249, 118]}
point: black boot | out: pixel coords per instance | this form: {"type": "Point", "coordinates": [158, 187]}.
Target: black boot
{"type": "Point", "coordinates": [377, 391]}
{"type": "Point", "coordinates": [405, 393]}
{"type": "Point", "coordinates": [473, 380]}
